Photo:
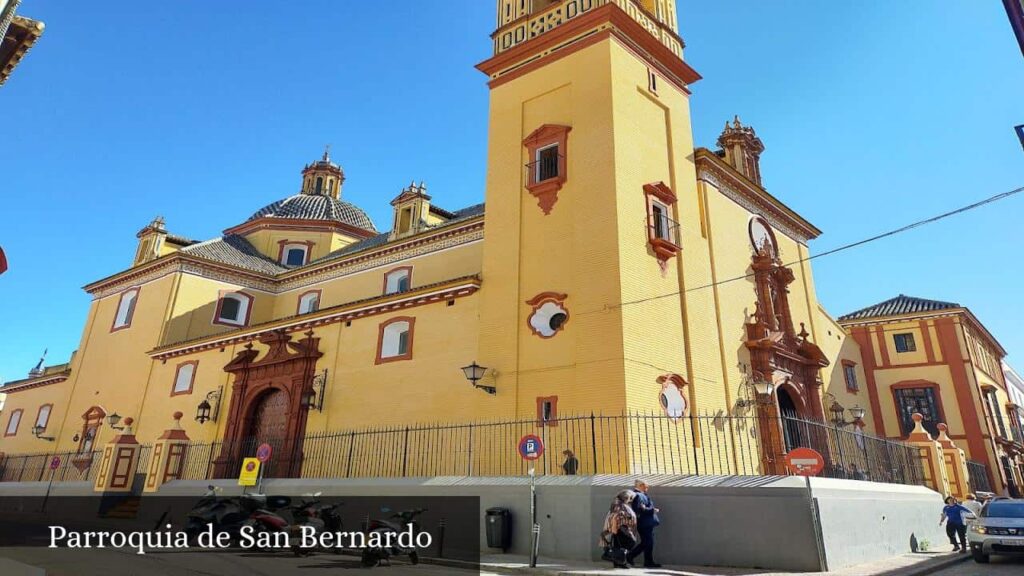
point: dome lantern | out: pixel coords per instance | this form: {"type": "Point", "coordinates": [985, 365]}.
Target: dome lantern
{"type": "Point", "coordinates": [323, 177]}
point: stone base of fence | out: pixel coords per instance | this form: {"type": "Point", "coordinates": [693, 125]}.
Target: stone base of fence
{"type": "Point", "coordinates": [119, 461]}
{"type": "Point", "coordinates": [169, 454]}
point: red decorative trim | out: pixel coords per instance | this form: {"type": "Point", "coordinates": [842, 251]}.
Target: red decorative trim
{"type": "Point", "coordinates": [380, 340]}
{"type": "Point", "coordinates": [282, 244]}
{"type": "Point", "coordinates": [131, 312]}
{"type": "Point", "coordinates": [11, 388]}
{"type": "Point", "coordinates": [855, 388]}
{"type": "Point", "coordinates": [384, 289]}
{"type": "Point", "coordinates": [883, 347]}
{"type": "Point", "coordinates": [220, 302]}
{"type": "Point", "coordinates": [300, 225]}
{"type": "Point", "coordinates": [121, 469]}
{"type": "Point", "coordinates": [3, 261]}
{"type": "Point", "coordinates": [191, 382]}
{"type": "Point", "coordinates": [862, 335]}
{"type": "Point", "coordinates": [546, 191]}
{"type": "Point", "coordinates": [175, 463]}
{"type": "Point", "coordinates": [663, 248]}
{"type": "Point", "coordinates": [7, 430]}
{"type": "Point", "coordinates": [539, 300]}
{"type": "Point", "coordinates": [926, 337]}
{"type": "Point", "coordinates": [48, 414]}
{"type": "Point", "coordinates": [680, 383]}
{"type": "Point", "coordinates": [93, 418]}
{"type": "Point", "coordinates": [298, 302]}
{"type": "Point", "coordinates": [553, 420]}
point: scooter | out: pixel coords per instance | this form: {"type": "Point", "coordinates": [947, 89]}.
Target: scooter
{"type": "Point", "coordinates": [226, 514]}
{"type": "Point", "coordinates": [320, 517]}
{"type": "Point", "coordinates": [265, 519]}
{"type": "Point", "coordinates": [397, 522]}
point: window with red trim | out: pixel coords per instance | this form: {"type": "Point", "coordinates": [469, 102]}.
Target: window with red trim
{"type": "Point", "coordinates": [309, 302]}
{"type": "Point", "coordinates": [547, 411]}
{"type": "Point", "coordinates": [547, 168]}
{"type": "Point", "coordinates": [662, 229]}
{"type": "Point", "coordinates": [850, 376]}
{"type": "Point", "coordinates": [184, 377]}
{"type": "Point", "coordinates": [398, 280]}
{"type": "Point", "coordinates": [13, 422]}
{"type": "Point", "coordinates": [93, 419]}
{"type": "Point", "coordinates": [233, 309]}
{"type": "Point", "coordinates": [394, 340]}
{"type": "Point", "coordinates": [43, 416]}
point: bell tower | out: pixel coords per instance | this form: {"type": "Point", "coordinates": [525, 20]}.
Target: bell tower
{"type": "Point", "coordinates": [589, 162]}
{"type": "Point", "coordinates": [323, 177]}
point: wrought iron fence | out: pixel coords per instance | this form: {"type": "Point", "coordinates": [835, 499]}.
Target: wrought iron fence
{"type": "Point", "coordinates": [977, 474]}
{"type": "Point", "coordinates": [624, 444]}
{"type": "Point", "coordinates": [38, 467]}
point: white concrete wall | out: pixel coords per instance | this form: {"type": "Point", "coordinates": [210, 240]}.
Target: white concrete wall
{"type": "Point", "coordinates": [753, 522]}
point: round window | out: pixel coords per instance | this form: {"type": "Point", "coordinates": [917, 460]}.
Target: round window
{"type": "Point", "coordinates": [548, 318]}
{"type": "Point", "coordinates": [672, 400]}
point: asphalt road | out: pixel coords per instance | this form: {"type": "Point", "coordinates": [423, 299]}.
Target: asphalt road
{"type": "Point", "coordinates": [999, 566]}
{"type": "Point", "coordinates": [109, 562]}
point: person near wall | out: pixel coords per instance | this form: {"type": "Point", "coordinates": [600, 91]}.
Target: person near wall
{"type": "Point", "coordinates": [571, 464]}
{"type": "Point", "coordinates": [619, 535]}
{"type": "Point", "coordinates": [646, 521]}
{"type": "Point", "coordinates": [956, 528]}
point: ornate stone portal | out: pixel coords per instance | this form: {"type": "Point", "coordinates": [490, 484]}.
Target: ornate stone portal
{"type": "Point", "coordinates": [266, 404]}
{"type": "Point", "coordinates": [777, 351]}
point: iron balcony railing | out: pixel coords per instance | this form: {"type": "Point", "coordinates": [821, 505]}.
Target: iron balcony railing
{"type": "Point", "coordinates": [664, 228]}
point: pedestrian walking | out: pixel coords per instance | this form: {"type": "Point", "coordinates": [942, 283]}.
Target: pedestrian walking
{"type": "Point", "coordinates": [619, 535]}
{"type": "Point", "coordinates": [972, 504]}
{"type": "Point", "coordinates": [646, 521]}
{"type": "Point", "coordinates": [953, 515]}
{"type": "Point", "coordinates": [571, 464]}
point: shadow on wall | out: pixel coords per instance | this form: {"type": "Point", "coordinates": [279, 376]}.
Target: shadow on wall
{"type": "Point", "coordinates": [195, 323]}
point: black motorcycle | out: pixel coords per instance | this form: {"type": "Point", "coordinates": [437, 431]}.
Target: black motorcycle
{"type": "Point", "coordinates": [316, 515]}
{"type": "Point", "coordinates": [397, 522]}
{"type": "Point", "coordinates": [227, 514]}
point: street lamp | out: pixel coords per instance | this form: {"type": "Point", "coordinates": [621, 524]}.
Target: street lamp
{"type": "Point", "coordinates": [209, 408]}
{"type": "Point", "coordinates": [313, 397]}
{"type": "Point", "coordinates": [115, 419]}
{"type": "Point", "coordinates": [838, 413]}
{"type": "Point", "coordinates": [474, 372]}
{"type": "Point", "coordinates": [762, 387]}
{"type": "Point", "coordinates": [38, 430]}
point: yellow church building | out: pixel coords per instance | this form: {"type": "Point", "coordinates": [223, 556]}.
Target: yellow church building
{"type": "Point", "coordinates": [614, 267]}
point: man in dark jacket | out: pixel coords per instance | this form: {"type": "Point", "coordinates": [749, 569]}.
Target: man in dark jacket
{"type": "Point", "coordinates": [646, 521]}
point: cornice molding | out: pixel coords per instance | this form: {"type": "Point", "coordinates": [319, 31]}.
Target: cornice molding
{"type": "Point", "coordinates": [755, 200]}
{"type": "Point", "coordinates": [452, 289]}
{"type": "Point", "coordinates": [16, 386]}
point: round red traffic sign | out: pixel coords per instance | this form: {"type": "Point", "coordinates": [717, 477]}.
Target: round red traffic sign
{"type": "Point", "coordinates": [805, 462]}
{"type": "Point", "coordinates": [531, 447]}
{"type": "Point", "coordinates": [263, 452]}
{"type": "Point", "coordinates": [250, 466]}
{"type": "Point", "coordinates": [55, 463]}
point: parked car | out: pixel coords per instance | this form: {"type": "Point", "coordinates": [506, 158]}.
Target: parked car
{"type": "Point", "coordinates": [1000, 530]}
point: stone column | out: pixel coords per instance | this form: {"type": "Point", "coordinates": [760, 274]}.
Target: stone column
{"type": "Point", "coordinates": [168, 460]}
{"type": "Point", "coordinates": [118, 463]}
{"type": "Point", "coordinates": [956, 464]}
{"type": "Point", "coordinates": [931, 457]}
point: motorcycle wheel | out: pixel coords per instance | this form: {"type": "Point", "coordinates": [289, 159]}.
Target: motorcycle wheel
{"type": "Point", "coordinates": [414, 557]}
{"type": "Point", "coordinates": [257, 530]}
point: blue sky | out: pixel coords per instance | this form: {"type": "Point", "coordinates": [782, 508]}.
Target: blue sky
{"type": "Point", "coordinates": [874, 114]}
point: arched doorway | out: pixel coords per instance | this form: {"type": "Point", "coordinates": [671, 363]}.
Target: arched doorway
{"type": "Point", "coordinates": [269, 415]}
{"type": "Point", "coordinates": [790, 419]}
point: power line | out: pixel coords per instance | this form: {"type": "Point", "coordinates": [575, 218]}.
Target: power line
{"type": "Point", "coordinates": [919, 223]}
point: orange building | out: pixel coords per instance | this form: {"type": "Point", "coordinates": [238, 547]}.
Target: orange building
{"type": "Point", "coordinates": [937, 359]}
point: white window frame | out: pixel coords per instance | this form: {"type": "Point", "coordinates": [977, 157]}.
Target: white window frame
{"type": "Point", "coordinates": [392, 334]}
{"type": "Point", "coordinates": [289, 247]}
{"type": "Point", "coordinates": [43, 417]}
{"type": "Point", "coordinates": [393, 281]}
{"type": "Point", "coordinates": [184, 373]}
{"type": "Point", "coordinates": [14, 421]}
{"type": "Point", "coordinates": [537, 166]}
{"type": "Point", "coordinates": [126, 309]}
{"type": "Point", "coordinates": [309, 302]}
{"type": "Point", "coordinates": [244, 305]}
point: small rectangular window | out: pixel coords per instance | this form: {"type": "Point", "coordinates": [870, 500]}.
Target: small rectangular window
{"type": "Point", "coordinates": [229, 309]}
{"type": "Point", "coordinates": [125, 309]}
{"type": "Point", "coordinates": [850, 373]}
{"type": "Point", "coordinates": [904, 342]}
{"type": "Point", "coordinates": [547, 411]}
{"type": "Point", "coordinates": [547, 163]}
{"type": "Point", "coordinates": [652, 81]}
{"type": "Point", "coordinates": [296, 257]}
{"type": "Point", "coordinates": [918, 400]}
{"type": "Point", "coordinates": [43, 417]}
{"type": "Point", "coordinates": [12, 423]}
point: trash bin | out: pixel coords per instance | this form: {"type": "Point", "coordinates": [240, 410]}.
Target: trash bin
{"type": "Point", "coordinates": [499, 533]}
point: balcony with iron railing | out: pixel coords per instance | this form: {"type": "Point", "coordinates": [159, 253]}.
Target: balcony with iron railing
{"type": "Point", "coordinates": [517, 28]}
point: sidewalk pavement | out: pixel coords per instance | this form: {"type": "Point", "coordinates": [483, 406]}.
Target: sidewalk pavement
{"type": "Point", "coordinates": [919, 564]}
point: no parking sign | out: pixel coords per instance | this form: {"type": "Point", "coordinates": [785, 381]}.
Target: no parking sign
{"type": "Point", "coordinates": [531, 447]}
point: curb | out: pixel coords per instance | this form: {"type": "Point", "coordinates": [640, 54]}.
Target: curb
{"type": "Point", "coordinates": [923, 568]}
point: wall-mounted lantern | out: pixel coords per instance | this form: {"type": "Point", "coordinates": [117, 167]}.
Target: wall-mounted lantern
{"type": "Point", "coordinates": [38, 430]}
{"type": "Point", "coordinates": [474, 373]}
{"type": "Point", "coordinates": [313, 397]}
{"type": "Point", "coordinates": [838, 413]}
{"type": "Point", "coordinates": [209, 408]}
{"type": "Point", "coordinates": [115, 419]}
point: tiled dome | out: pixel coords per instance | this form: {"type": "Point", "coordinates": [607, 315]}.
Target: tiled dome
{"type": "Point", "coordinates": [317, 207]}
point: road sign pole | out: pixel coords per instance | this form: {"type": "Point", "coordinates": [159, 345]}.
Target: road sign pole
{"type": "Point", "coordinates": [54, 464]}
{"type": "Point", "coordinates": [534, 528]}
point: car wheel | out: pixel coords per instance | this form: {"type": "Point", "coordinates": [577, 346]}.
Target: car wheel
{"type": "Point", "coordinates": [979, 557]}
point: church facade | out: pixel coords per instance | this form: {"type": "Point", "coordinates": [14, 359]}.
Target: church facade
{"type": "Point", "coordinates": [614, 266]}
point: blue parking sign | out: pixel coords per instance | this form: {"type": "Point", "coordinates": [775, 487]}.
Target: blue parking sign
{"type": "Point", "coordinates": [531, 447]}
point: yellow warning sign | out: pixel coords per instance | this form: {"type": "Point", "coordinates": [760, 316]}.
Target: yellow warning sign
{"type": "Point", "coordinates": [249, 473]}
